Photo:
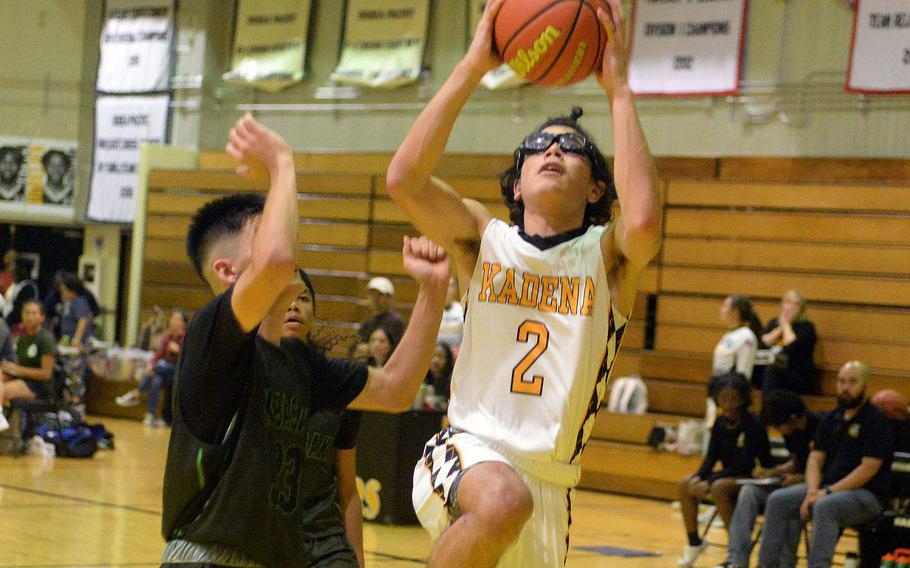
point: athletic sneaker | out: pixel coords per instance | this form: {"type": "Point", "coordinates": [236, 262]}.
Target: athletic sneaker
{"type": "Point", "coordinates": [728, 564]}
{"type": "Point", "coordinates": [128, 399]}
{"type": "Point", "coordinates": [4, 425]}
{"type": "Point", "coordinates": [690, 554]}
{"type": "Point", "coordinates": [149, 419]}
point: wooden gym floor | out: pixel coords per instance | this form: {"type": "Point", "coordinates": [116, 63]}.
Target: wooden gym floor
{"type": "Point", "coordinates": [106, 512]}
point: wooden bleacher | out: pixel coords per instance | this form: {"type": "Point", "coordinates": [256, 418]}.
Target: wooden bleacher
{"type": "Point", "coordinates": [837, 230]}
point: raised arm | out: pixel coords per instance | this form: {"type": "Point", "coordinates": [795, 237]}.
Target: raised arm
{"type": "Point", "coordinates": [273, 262]}
{"type": "Point", "coordinates": [409, 180]}
{"type": "Point", "coordinates": [635, 237]}
{"type": "Point", "coordinates": [392, 387]}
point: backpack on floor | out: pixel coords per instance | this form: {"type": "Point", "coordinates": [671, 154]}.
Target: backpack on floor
{"type": "Point", "coordinates": [628, 395]}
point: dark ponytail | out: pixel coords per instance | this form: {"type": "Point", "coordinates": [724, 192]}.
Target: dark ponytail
{"type": "Point", "coordinates": [746, 312]}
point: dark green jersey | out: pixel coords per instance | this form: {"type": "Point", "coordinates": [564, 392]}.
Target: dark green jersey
{"type": "Point", "coordinates": [268, 489]}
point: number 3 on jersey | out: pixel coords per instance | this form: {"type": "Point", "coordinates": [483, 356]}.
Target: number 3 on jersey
{"type": "Point", "coordinates": [534, 385]}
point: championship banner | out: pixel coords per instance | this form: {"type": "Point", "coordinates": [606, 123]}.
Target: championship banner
{"type": "Point", "coordinates": [121, 125]}
{"type": "Point", "coordinates": [503, 77]}
{"type": "Point", "coordinates": [686, 48]}
{"type": "Point", "coordinates": [37, 179]}
{"type": "Point", "coordinates": [269, 43]}
{"type": "Point", "coordinates": [383, 42]}
{"type": "Point", "coordinates": [880, 51]}
{"type": "Point", "coordinates": [136, 46]}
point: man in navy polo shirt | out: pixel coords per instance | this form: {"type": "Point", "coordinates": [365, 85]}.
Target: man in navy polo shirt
{"type": "Point", "coordinates": [846, 476]}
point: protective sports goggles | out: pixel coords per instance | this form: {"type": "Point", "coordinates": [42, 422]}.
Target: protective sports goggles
{"type": "Point", "coordinates": [568, 142]}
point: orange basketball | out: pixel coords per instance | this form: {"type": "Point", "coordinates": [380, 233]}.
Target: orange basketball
{"type": "Point", "coordinates": [550, 42]}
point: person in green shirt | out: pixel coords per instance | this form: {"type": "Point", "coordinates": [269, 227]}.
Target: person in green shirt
{"type": "Point", "coordinates": [29, 378]}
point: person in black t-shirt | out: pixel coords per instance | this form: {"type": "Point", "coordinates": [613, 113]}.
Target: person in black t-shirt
{"type": "Point", "coordinates": [737, 440]}
{"type": "Point", "coordinates": [786, 412]}
{"type": "Point", "coordinates": [298, 323]}
{"type": "Point", "coordinates": [792, 336]}
{"type": "Point", "coordinates": [846, 476]}
{"type": "Point", "coordinates": [251, 460]}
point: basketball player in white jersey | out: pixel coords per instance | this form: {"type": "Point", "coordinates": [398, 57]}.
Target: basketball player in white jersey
{"type": "Point", "coordinates": [548, 300]}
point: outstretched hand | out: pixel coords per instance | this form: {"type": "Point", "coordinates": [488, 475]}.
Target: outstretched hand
{"type": "Point", "coordinates": [482, 53]}
{"type": "Point", "coordinates": [614, 72]}
{"type": "Point", "coordinates": [426, 261]}
{"type": "Point", "coordinates": [250, 142]}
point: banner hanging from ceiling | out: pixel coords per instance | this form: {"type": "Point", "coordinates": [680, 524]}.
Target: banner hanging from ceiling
{"type": "Point", "coordinates": [121, 125]}
{"type": "Point", "coordinates": [270, 43]}
{"type": "Point", "coordinates": [880, 51]}
{"type": "Point", "coordinates": [687, 48]}
{"type": "Point", "coordinates": [384, 42]}
{"type": "Point", "coordinates": [136, 46]}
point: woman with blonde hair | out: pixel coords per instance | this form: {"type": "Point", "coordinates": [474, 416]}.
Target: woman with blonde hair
{"type": "Point", "coordinates": [791, 336]}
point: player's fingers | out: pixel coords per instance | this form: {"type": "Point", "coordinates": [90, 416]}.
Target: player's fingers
{"type": "Point", "coordinates": [607, 23]}
{"type": "Point", "coordinates": [242, 170]}
{"type": "Point", "coordinates": [491, 9]}
{"type": "Point", "coordinates": [238, 141]}
{"type": "Point", "coordinates": [406, 245]}
{"type": "Point", "coordinates": [232, 151]}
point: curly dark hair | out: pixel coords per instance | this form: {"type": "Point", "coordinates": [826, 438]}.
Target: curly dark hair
{"type": "Point", "coordinates": [596, 213]}
{"type": "Point", "coordinates": [781, 406]}
{"type": "Point", "coordinates": [735, 381]}
{"type": "Point", "coordinates": [217, 219]}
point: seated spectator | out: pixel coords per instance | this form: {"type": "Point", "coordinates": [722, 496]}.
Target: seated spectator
{"type": "Point", "coordinates": [381, 347]}
{"type": "Point", "coordinates": [76, 327]}
{"type": "Point", "coordinates": [736, 349]}
{"type": "Point", "coordinates": [737, 440]}
{"type": "Point", "coordinates": [299, 324]}
{"type": "Point", "coordinates": [6, 272]}
{"type": "Point", "coordinates": [29, 378]}
{"type": "Point", "coordinates": [22, 290]}
{"type": "Point", "coordinates": [359, 351]}
{"type": "Point", "coordinates": [160, 374]}
{"type": "Point", "coordinates": [792, 337]}
{"type": "Point", "coordinates": [786, 412]}
{"type": "Point", "coordinates": [53, 305]}
{"type": "Point", "coordinates": [451, 329]}
{"type": "Point", "coordinates": [439, 375]}
{"type": "Point", "coordinates": [381, 292]}
{"type": "Point", "coordinates": [847, 476]}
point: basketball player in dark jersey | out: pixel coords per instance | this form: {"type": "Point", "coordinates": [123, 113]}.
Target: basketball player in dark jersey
{"type": "Point", "coordinates": [251, 455]}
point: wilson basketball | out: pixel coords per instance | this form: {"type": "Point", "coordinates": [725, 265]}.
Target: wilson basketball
{"type": "Point", "coordinates": [550, 42]}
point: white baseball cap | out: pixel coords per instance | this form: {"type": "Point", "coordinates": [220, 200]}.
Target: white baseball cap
{"type": "Point", "coordinates": [381, 284]}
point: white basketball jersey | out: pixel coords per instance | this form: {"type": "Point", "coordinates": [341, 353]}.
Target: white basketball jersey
{"type": "Point", "coordinates": [540, 338]}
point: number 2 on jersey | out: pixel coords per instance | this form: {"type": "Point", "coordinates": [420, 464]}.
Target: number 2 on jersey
{"type": "Point", "coordinates": [534, 385]}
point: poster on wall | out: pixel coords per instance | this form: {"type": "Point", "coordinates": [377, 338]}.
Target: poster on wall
{"type": "Point", "coordinates": [136, 46]}
{"type": "Point", "coordinates": [880, 51]}
{"type": "Point", "coordinates": [687, 48]}
{"type": "Point", "coordinates": [37, 178]}
{"type": "Point", "coordinates": [269, 43]}
{"type": "Point", "coordinates": [503, 77]}
{"type": "Point", "coordinates": [51, 172]}
{"type": "Point", "coordinates": [121, 125]}
{"type": "Point", "coordinates": [383, 42]}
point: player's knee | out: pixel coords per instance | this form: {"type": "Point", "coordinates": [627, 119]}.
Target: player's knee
{"type": "Point", "coordinates": [722, 489]}
{"type": "Point", "coordinates": [509, 508]}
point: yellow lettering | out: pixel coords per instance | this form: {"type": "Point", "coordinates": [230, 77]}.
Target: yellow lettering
{"type": "Point", "coordinates": [526, 59]}
{"type": "Point", "coordinates": [486, 288]}
{"type": "Point", "coordinates": [547, 301]}
{"type": "Point", "coordinates": [508, 294]}
{"type": "Point", "coordinates": [587, 308]}
{"type": "Point", "coordinates": [568, 299]}
{"type": "Point", "coordinates": [530, 287]}
{"type": "Point", "coordinates": [576, 63]}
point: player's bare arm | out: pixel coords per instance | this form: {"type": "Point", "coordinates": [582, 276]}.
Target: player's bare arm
{"type": "Point", "coordinates": [410, 182]}
{"type": "Point", "coordinates": [273, 263]}
{"type": "Point", "coordinates": [393, 386]}
{"type": "Point", "coordinates": [635, 236]}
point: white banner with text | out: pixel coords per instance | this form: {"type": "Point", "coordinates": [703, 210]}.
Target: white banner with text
{"type": "Point", "coordinates": [136, 46]}
{"type": "Point", "coordinates": [880, 52]}
{"type": "Point", "coordinates": [121, 125]}
{"type": "Point", "coordinates": [682, 48]}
